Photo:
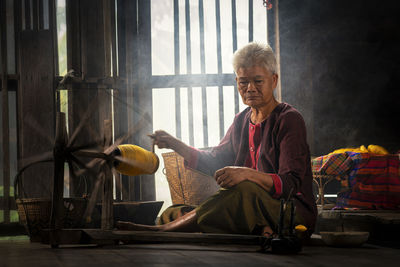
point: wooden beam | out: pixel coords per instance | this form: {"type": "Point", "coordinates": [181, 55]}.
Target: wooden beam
{"type": "Point", "coordinates": [113, 39]}
{"type": "Point", "coordinates": [97, 236]}
{"type": "Point", "coordinates": [120, 108]}
{"type": "Point", "coordinates": [57, 208]}
{"type": "Point", "coordinates": [195, 80]}
{"type": "Point", "coordinates": [131, 61]}
{"type": "Point", "coordinates": [87, 48]}
{"type": "Point", "coordinates": [174, 237]}
{"type": "Point", "coordinates": [73, 36]}
{"type": "Point", "coordinates": [143, 93]}
{"type": "Point", "coordinates": [5, 113]}
{"type": "Point", "coordinates": [27, 14]}
{"type": "Point", "coordinates": [35, 16]}
{"type": "Point", "coordinates": [107, 36]}
{"type": "Point", "coordinates": [107, 217]}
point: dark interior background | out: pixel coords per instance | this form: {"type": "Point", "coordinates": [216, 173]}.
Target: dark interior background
{"type": "Point", "coordinates": [340, 67]}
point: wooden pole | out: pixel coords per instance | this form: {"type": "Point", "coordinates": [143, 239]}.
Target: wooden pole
{"type": "Point", "coordinates": [277, 51]}
{"type": "Point", "coordinates": [107, 218]}
{"type": "Point", "coordinates": [5, 116]}
{"type": "Point", "coordinates": [57, 209]}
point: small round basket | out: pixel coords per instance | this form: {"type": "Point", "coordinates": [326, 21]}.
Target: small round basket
{"type": "Point", "coordinates": [344, 239]}
{"type": "Point", "coordinates": [35, 213]}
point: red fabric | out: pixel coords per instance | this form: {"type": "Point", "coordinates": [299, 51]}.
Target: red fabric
{"type": "Point", "coordinates": [252, 160]}
{"type": "Point", "coordinates": [254, 145]}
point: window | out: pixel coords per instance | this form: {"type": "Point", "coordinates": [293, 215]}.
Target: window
{"type": "Point", "coordinates": [194, 90]}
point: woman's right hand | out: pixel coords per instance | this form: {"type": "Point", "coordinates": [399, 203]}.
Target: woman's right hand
{"type": "Point", "coordinates": [164, 140]}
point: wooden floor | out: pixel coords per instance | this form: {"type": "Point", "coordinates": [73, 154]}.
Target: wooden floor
{"type": "Point", "coordinates": [23, 253]}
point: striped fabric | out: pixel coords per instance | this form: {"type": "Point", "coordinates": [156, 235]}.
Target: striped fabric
{"type": "Point", "coordinates": [373, 180]}
{"type": "Point", "coordinates": [334, 164]}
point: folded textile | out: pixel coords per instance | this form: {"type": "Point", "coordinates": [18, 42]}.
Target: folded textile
{"type": "Point", "coordinates": [372, 180]}
{"type": "Point", "coordinates": [332, 164]}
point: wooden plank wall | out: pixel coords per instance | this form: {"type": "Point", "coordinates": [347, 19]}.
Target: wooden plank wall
{"type": "Point", "coordinates": [88, 55]}
{"type": "Point", "coordinates": [90, 26]}
{"type": "Point", "coordinates": [36, 105]}
{"type": "Point", "coordinates": [91, 38]}
{"type": "Point", "coordinates": [139, 92]}
{"type": "Point", "coordinates": [9, 26]}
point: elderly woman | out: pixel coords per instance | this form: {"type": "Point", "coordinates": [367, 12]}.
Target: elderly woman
{"type": "Point", "coordinates": [263, 157]}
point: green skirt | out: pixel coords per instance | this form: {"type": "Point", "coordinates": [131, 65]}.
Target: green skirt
{"type": "Point", "coordinates": [243, 209]}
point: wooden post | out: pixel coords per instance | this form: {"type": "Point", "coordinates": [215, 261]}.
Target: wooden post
{"type": "Point", "coordinates": [107, 218]}
{"type": "Point", "coordinates": [89, 55]}
{"type": "Point", "coordinates": [143, 96]}
{"type": "Point", "coordinates": [5, 117]}
{"type": "Point", "coordinates": [277, 50]}
{"type": "Point", "coordinates": [120, 95]}
{"type": "Point", "coordinates": [57, 209]}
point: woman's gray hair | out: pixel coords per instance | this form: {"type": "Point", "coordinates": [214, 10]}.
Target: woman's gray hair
{"type": "Point", "coordinates": [254, 54]}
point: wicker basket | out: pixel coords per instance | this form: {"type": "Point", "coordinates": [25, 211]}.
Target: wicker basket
{"type": "Point", "coordinates": [34, 214]}
{"type": "Point", "coordinates": [187, 186]}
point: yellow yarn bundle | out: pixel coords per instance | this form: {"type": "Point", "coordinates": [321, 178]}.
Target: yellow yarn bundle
{"type": "Point", "coordinates": [373, 149]}
{"type": "Point", "coordinates": [138, 161]}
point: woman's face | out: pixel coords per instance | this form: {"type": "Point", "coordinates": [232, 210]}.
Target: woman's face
{"type": "Point", "coordinates": [256, 86]}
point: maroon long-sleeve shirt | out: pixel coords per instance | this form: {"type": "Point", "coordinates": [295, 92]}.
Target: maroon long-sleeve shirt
{"type": "Point", "coordinates": [283, 151]}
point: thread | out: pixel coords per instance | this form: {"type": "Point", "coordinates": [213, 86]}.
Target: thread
{"type": "Point", "coordinates": [138, 160]}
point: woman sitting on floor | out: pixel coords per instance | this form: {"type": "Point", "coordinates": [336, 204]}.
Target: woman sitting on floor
{"type": "Point", "coordinates": [263, 157]}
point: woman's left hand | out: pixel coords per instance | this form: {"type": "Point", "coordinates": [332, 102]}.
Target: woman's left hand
{"type": "Point", "coordinates": [231, 175]}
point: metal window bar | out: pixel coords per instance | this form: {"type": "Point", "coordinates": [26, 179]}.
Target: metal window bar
{"type": "Point", "coordinates": [251, 21]}
{"type": "Point", "coordinates": [177, 70]}
{"type": "Point", "coordinates": [234, 46]}
{"type": "Point", "coordinates": [189, 71]}
{"type": "Point", "coordinates": [203, 71]}
{"type": "Point", "coordinates": [219, 62]}
{"type": "Point", "coordinates": [202, 80]}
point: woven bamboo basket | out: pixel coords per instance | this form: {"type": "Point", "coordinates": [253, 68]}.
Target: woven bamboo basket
{"type": "Point", "coordinates": [187, 186]}
{"type": "Point", "coordinates": [34, 214]}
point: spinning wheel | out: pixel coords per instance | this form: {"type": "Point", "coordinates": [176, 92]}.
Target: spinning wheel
{"type": "Point", "coordinates": [102, 167]}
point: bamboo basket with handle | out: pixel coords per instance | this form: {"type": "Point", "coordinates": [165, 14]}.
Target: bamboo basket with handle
{"type": "Point", "coordinates": [187, 186]}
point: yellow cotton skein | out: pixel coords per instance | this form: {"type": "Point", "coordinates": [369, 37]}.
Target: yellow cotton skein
{"type": "Point", "coordinates": [374, 149]}
{"type": "Point", "coordinates": [300, 228]}
{"type": "Point", "coordinates": [140, 161]}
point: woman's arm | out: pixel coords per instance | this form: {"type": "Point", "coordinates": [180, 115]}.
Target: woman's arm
{"type": "Point", "coordinates": [164, 140]}
{"type": "Point", "coordinates": [232, 175]}
{"type": "Point", "coordinates": [206, 162]}
{"type": "Point", "coordinates": [294, 153]}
